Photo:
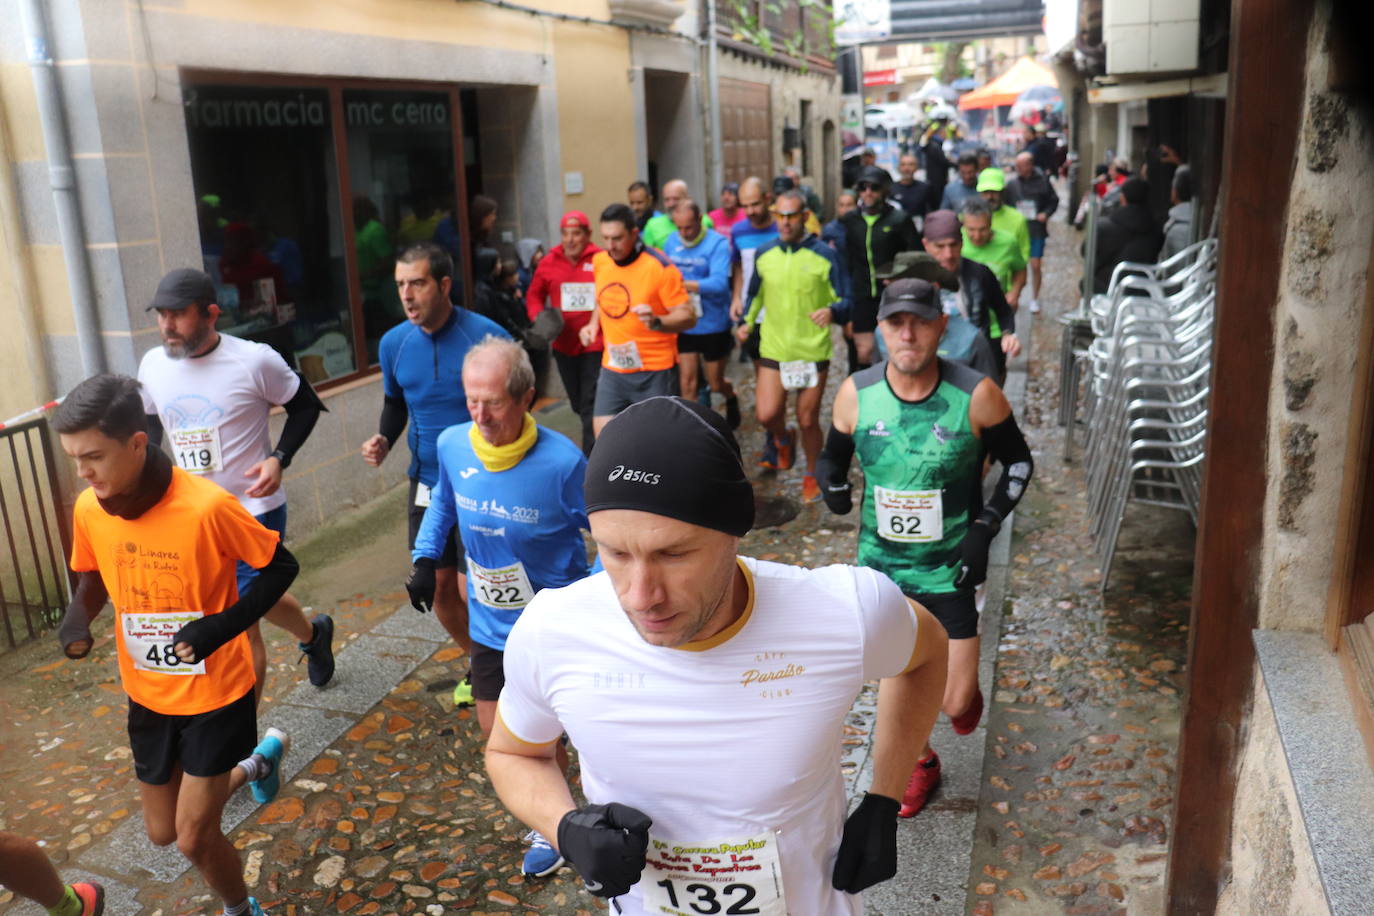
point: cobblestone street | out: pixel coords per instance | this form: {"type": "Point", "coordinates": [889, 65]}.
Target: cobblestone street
{"type": "Point", "coordinates": [388, 809]}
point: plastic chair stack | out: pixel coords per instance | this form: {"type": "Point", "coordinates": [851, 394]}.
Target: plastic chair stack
{"type": "Point", "coordinates": [1146, 366]}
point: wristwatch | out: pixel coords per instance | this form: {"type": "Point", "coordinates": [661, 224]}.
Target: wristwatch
{"type": "Point", "coordinates": [282, 457]}
{"type": "Point", "coordinates": [655, 323]}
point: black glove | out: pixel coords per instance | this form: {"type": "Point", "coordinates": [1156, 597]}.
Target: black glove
{"type": "Point", "coordinates": [868, 848]}
{"type": "Point", "coordinates": [421, 585]}
{"type": "Point", "coordinates": [973, 552]}
{"type": "Point", "coordinates": [839, 497]}
{"type": "Point", "coordinates": [606, 844]}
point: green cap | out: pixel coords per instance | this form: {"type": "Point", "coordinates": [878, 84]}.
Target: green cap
{"type": "Point", "coordinates": [991, 179]}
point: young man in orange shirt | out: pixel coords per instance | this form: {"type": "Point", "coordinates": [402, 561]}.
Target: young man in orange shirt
{"type": "Point", "coordinates": [641, 307]}
{"type": "Point", "coordinates": [161, 545]}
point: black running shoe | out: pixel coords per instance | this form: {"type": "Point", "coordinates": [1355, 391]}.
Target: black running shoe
{"type": "Point", "coordinates": [732, 417]}
{"type": "Point", "coordinates": [320, 650]}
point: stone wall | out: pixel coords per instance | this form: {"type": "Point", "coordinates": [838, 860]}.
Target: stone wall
{"type": "Point", "coordinates": [1316, 329]}
{"type": "Point", "coordinates": [1271, 862]}
{"type": "Point", "coordinates": [1317, 320]}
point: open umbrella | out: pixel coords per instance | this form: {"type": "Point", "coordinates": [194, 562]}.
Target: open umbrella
{"type": "Point", "coordinates": [936, 90]}
{"type": "Point", "coordinates": [1036, 98]}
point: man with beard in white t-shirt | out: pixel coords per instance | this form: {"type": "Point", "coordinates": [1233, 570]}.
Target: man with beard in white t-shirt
{"type": "Point", "coordinates": [211, 394]}
{"type": "Point", "coordinates": [705, 693]}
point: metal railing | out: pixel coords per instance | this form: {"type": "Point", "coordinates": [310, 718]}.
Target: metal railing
{"type": "Point", "coordinates": [34, 582]}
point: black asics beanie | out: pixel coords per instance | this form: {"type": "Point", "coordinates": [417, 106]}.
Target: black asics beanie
{"type": "Point", "coordinates": [674, 458]}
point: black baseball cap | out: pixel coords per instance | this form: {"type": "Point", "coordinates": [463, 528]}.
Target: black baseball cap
{"type": "Point", "coordinates": [874, 176]}
{"type": "Point", "coordinates": [182, 288]}
{"type": "Point", "coordinates": [910, 295]}
{"type": "Point", "coordinates": [783, 183]}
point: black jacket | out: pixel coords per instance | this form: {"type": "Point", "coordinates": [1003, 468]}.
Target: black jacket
{"type": "Point", "coordinates": [983, 296]}
{"type": "Point", "coordinates": [892, 232]}
{"type": "Point", "coordinates": [937, 166]}
{"type": "Point", "coordinates": [914, 198]}
{"type": "Point", "coordinates": [1128, 233]}
{"type": "Point", "coordinates": [1037, 189]}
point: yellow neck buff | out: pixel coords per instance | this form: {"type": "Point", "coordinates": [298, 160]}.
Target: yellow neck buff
{"type": "Point", "coordinates": [503, 457]}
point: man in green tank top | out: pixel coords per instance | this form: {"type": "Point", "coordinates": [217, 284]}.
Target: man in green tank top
{"type": "Point", "coordinates": [922, 426]}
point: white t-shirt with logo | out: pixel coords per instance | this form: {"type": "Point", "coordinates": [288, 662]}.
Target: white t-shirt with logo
{"type": "Point", "coordinates": [214, 410]}
{"type": "Point", "coordinates": [732, 738]}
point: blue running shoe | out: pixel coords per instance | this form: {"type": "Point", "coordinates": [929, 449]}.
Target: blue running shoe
{"type": "Point", "coordinates": [272, 748]}
{"type": "Point", "coordinates": [769, 459]}
{"type": "Point", "coordinates": [254, 909]}
{"type": "Point", "coordinates": [320, 650]}
{"type": "Point", "coordinates": [541, 859]}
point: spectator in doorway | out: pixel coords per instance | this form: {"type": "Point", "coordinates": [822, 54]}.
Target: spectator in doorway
{"type": "Point", "coordinates": [529, 252]}
{"type": "Point", "coordinates": [1127, 233]}
{"type": "Point", "coordinates": [1178, 228]}
{"type": "Point", "coordinates": [482, 221]}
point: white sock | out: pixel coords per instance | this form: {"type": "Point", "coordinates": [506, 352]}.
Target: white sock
{"type": "Point", "coordinates": [239, 910]}
{"type": "Point", "coordinates": [255, 767]}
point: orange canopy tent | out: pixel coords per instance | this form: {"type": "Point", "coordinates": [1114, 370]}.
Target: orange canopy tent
{"type": "Point", "coordinates": [1026, 72]}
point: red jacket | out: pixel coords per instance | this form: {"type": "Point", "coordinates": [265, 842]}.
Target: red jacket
{"type": "Point", "coordinates": [553, 272]}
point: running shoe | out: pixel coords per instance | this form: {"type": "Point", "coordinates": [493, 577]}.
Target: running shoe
{"type": "Point", "coordinates": [92, 897]}
{"type": "Point", "coordinates": [769, 459]}
{"type": "Point", "coordinates": [541, 859]}
{"type": "Point", "coordinates": [811, 490]}
{"type": "Point", "coordinates": [923, 781]}
{"type": "Point", "coordinates": [462, 694]}
{"type": "Point", "coordinates": [1035, 306]}
{"type": "Point", "coordinates": [787, 449]}
{"type": "Point", "coordinates": [320, 650]}
{"type": "Point", "coordinates": [732, 417]}
{"type": "Point", "coordinates": [255, 908]}
{"type": "Point", "coordinates": [272, 748]}
{"type": "Point", "coordinates": [968, 720]}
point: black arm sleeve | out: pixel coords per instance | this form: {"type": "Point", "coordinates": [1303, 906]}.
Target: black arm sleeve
{"type": "Point", "coordinates": [302, 411]}
{"type": "Point", "coordinates": [1008, 448]}
{"type": "Point", "coordinates": [154, 429]}
{"type": "Point", "coordinates": [832, 471]}
{"type": "Point", "coordinates": [209, 633]}
{"type": "Point", "coordinates": [87, 602]}
{"type": "Point", "coordinates": [1006, 318]}
{"type": "Point", "coordinates": [394, 416]}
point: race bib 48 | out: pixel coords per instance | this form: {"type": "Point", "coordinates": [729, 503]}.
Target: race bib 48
{"type": "Point", "coordinates": [148, 638]}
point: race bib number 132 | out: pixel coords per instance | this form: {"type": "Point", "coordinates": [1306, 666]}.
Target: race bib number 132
{"type": "Point", "coordinates": [733, 878]}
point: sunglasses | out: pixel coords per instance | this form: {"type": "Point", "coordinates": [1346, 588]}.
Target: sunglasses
{"type": "Point", "coordinates": [795, 214]}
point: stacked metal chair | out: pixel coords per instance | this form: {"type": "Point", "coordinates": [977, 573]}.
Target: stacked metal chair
{"type": "Point", "coordinates": [1147, 371]}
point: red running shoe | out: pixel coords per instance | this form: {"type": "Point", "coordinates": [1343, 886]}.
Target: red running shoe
{"type": "Point", "coordinates": [92, 897]}
{"type": "Point", "coordinates": [923, 781]}
{"type": "Point", "coordinates": [968, 720]}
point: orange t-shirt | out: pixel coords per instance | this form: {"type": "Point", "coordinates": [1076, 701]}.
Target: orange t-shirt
{"type": "Point", "coordinates": [169, 565]}
{"type": "Point", "coordinates": [650, 279]}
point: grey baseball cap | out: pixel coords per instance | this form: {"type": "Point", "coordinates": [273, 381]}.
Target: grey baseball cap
{"type": "Point", "coordinates": [910, 295]}
{"type": "Point", "coordinates": [181, 288]}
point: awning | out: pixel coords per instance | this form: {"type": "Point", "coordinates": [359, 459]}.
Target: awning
{"type": "Point", "coordinates": [1026, 72]}
{"type": "Point", "coordinates": [1212, 86]}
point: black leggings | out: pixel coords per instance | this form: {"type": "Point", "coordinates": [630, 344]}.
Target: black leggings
{"type": "Point", "coordinates": [579, 374]}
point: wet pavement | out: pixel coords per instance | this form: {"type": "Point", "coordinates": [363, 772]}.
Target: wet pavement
{"type": "Point", "coordinates": [388, 810]}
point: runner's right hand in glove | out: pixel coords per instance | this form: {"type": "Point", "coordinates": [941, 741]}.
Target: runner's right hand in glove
{"type": "Point", "coordinates": [607, 844]}
{"type": "Point", "coordinates": [421, 585]}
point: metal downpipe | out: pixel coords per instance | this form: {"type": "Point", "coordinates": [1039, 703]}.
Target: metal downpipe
{"type": "Point", "coordinates": [62, 176]}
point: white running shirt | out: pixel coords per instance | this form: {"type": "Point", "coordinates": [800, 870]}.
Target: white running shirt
{"type": "Point", "coordinates": [726, 739]}
{"type": "Point", "coordinates": [214, 410]}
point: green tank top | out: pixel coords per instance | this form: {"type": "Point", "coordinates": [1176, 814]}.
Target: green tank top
{"type": "Point", "coordinates": [921, 464]}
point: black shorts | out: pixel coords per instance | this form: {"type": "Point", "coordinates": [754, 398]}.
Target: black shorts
{"type": "Point", "coordinates": [207, 744]}
{"type": "Point", "coordinates": [956, 611]}
{"type": "Point", "coordinates": [864, 315]}
{"type": "Point", "coordinates": [486, 672]}
{"type": "Point", "coordinates": [617, 390]}
{"type": "Point", "coordinates": [751, 343]}
{"type": "Point", "coordinates": [712, 347]}
{"type": "Point", "coordinates": [453, 548]}
{"type": "Point", "coordinates": [822, 365]}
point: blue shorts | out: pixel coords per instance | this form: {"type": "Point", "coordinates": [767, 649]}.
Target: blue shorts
{"type": "Point", "coordinates": [1037, 247]}
{"type": "Point", "coordinates": [274, 519]}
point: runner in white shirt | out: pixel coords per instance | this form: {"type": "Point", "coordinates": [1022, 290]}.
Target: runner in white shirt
{"type": "Point", "coordinates": [212, 394]}
{"type": "Point", "coordinates": [705, 694]}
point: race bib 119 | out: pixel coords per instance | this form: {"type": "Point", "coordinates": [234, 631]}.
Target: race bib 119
{"type": "Point", "coordinates": [732, 877]}
{"type": "Point", "coordinates": [909, 516]}
{"type": "Point", "coordinates": [577, 297]}
{"type": "Point", "coordinates": [196, 449]}
{"type": "Point", "coordinates": [148, 638]}
{"type": "Point", "coordinates": [1026, 208]}
{"type": "Point", "coordinates": [506, 588]}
